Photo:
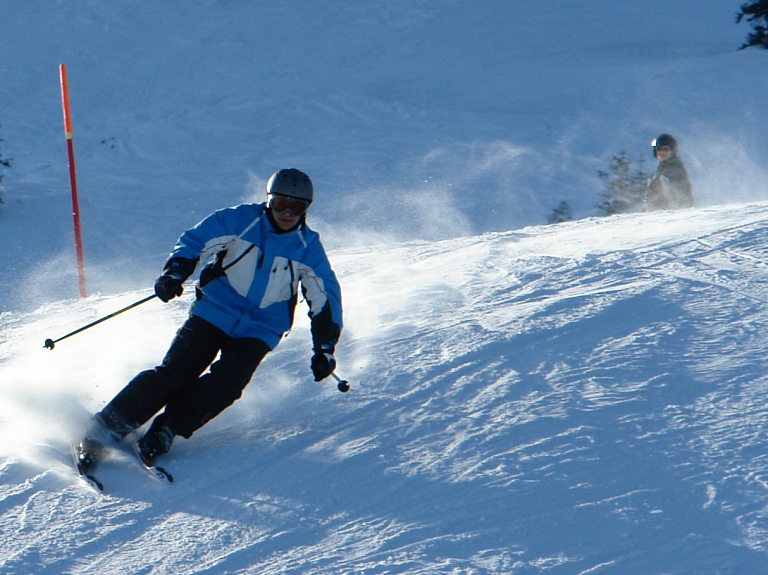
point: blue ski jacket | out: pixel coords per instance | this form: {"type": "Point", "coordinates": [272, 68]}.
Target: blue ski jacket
{"type": "Point", "coordinates": [250, 284]}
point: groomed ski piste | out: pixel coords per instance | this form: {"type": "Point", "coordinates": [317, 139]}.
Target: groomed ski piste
{"type": "Point", "coordinates": [580, 398]}
{"type": "Point", "coordinates": [526, 401]}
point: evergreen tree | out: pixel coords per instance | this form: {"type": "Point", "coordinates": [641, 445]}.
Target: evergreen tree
{"type": "Point", "coordinates": [624, 189]}
{"type": "Point", "coordinates": [757, 13]}
{"type": "Point", "coordinates": [562, 213]}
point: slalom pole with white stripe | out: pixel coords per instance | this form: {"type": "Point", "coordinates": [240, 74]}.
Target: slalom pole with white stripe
{"type": "Point", "coordinates": [72, 180]}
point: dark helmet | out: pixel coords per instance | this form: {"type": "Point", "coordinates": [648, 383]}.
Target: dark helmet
{"type": "Point", "coordinates": [290, 182]}
{"type": "Point", "coordinates": [664, 140]}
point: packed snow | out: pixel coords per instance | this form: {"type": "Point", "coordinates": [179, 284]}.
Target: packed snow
{"type": "Point", "coordinates": [580, 398]}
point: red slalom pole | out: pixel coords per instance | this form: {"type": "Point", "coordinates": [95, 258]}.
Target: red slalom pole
{"type": "Point", "coordinates": [72, 180]}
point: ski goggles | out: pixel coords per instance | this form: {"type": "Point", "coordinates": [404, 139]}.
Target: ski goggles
{"type": "Point", "coordinates": [286, 204]}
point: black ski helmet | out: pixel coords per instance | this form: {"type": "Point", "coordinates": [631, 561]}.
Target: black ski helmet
{"type": "Point", "coordinates": [292, 183]}
{"type": "Point", "coordinates": [664, 140]}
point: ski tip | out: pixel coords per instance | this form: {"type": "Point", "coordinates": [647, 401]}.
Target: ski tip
{"type": "Point", "coordinates": [168, 477]}
{"type": "Point", "coordinates": [155, 471]}
{"type": "Point", "coordinates": [93, 482]}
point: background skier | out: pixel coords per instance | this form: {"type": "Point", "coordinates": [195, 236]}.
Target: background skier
{"type": "Point", "coordinates": [668, 187]}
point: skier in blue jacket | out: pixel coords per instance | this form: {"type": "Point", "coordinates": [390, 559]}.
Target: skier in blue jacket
{"type": "Point", "coordinates": [258, 255]}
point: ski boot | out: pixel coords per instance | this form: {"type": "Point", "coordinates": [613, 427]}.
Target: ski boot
{"type": "Point", "coordinates": [87, 453]}
{"type": "Point", "coordinates": [92, 448]}
{"type": "Point", "coordinates": [155, 442]}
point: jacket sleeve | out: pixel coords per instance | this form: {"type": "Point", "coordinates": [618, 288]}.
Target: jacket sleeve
{"type": "Point", "coordinates": [213, 233]}
{"type": "Point", "coordinates": [322, 292]}
{"type": "Point", "coordinates": [179, 266]}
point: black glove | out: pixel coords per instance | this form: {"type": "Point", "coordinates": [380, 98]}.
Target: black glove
{"type": "Point", "coordinates": [177, 270]}
{"type": "Point", "coordinates": [168, 286]}
{"type": "Point", "coordinates": [323, 362]}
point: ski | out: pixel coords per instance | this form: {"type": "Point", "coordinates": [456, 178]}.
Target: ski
{"type": "Point", "coordinates": [88, 478]}
{"type": "Point", "coordinates": [159, 473]}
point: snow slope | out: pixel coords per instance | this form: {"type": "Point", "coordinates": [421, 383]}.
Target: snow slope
{"type": "Point", "coordinates": [523, 402]}
{"type": "Point", "coordinates": [580, 398]}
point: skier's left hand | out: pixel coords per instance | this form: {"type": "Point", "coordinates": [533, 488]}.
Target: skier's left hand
{"type": "Point", "coordinates": [323, 362]}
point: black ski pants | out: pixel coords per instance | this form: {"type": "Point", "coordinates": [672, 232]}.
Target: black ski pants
{"type": "Point", "coordinates": [189, 398]}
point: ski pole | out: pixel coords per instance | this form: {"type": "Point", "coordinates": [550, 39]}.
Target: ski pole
{"type": "Point", "coordinates": [49, 343]}
{"type": "Point", "coordinates": [343, 384]}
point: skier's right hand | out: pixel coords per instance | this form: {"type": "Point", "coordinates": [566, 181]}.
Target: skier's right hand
{"type": "Point", "coordinates": [169, 286]}
{"type": "Point", "coordinates": [323, 362]}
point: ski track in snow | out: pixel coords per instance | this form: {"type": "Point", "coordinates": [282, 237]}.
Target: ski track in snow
{"type": "Point", "coordinates": [529, 401]}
